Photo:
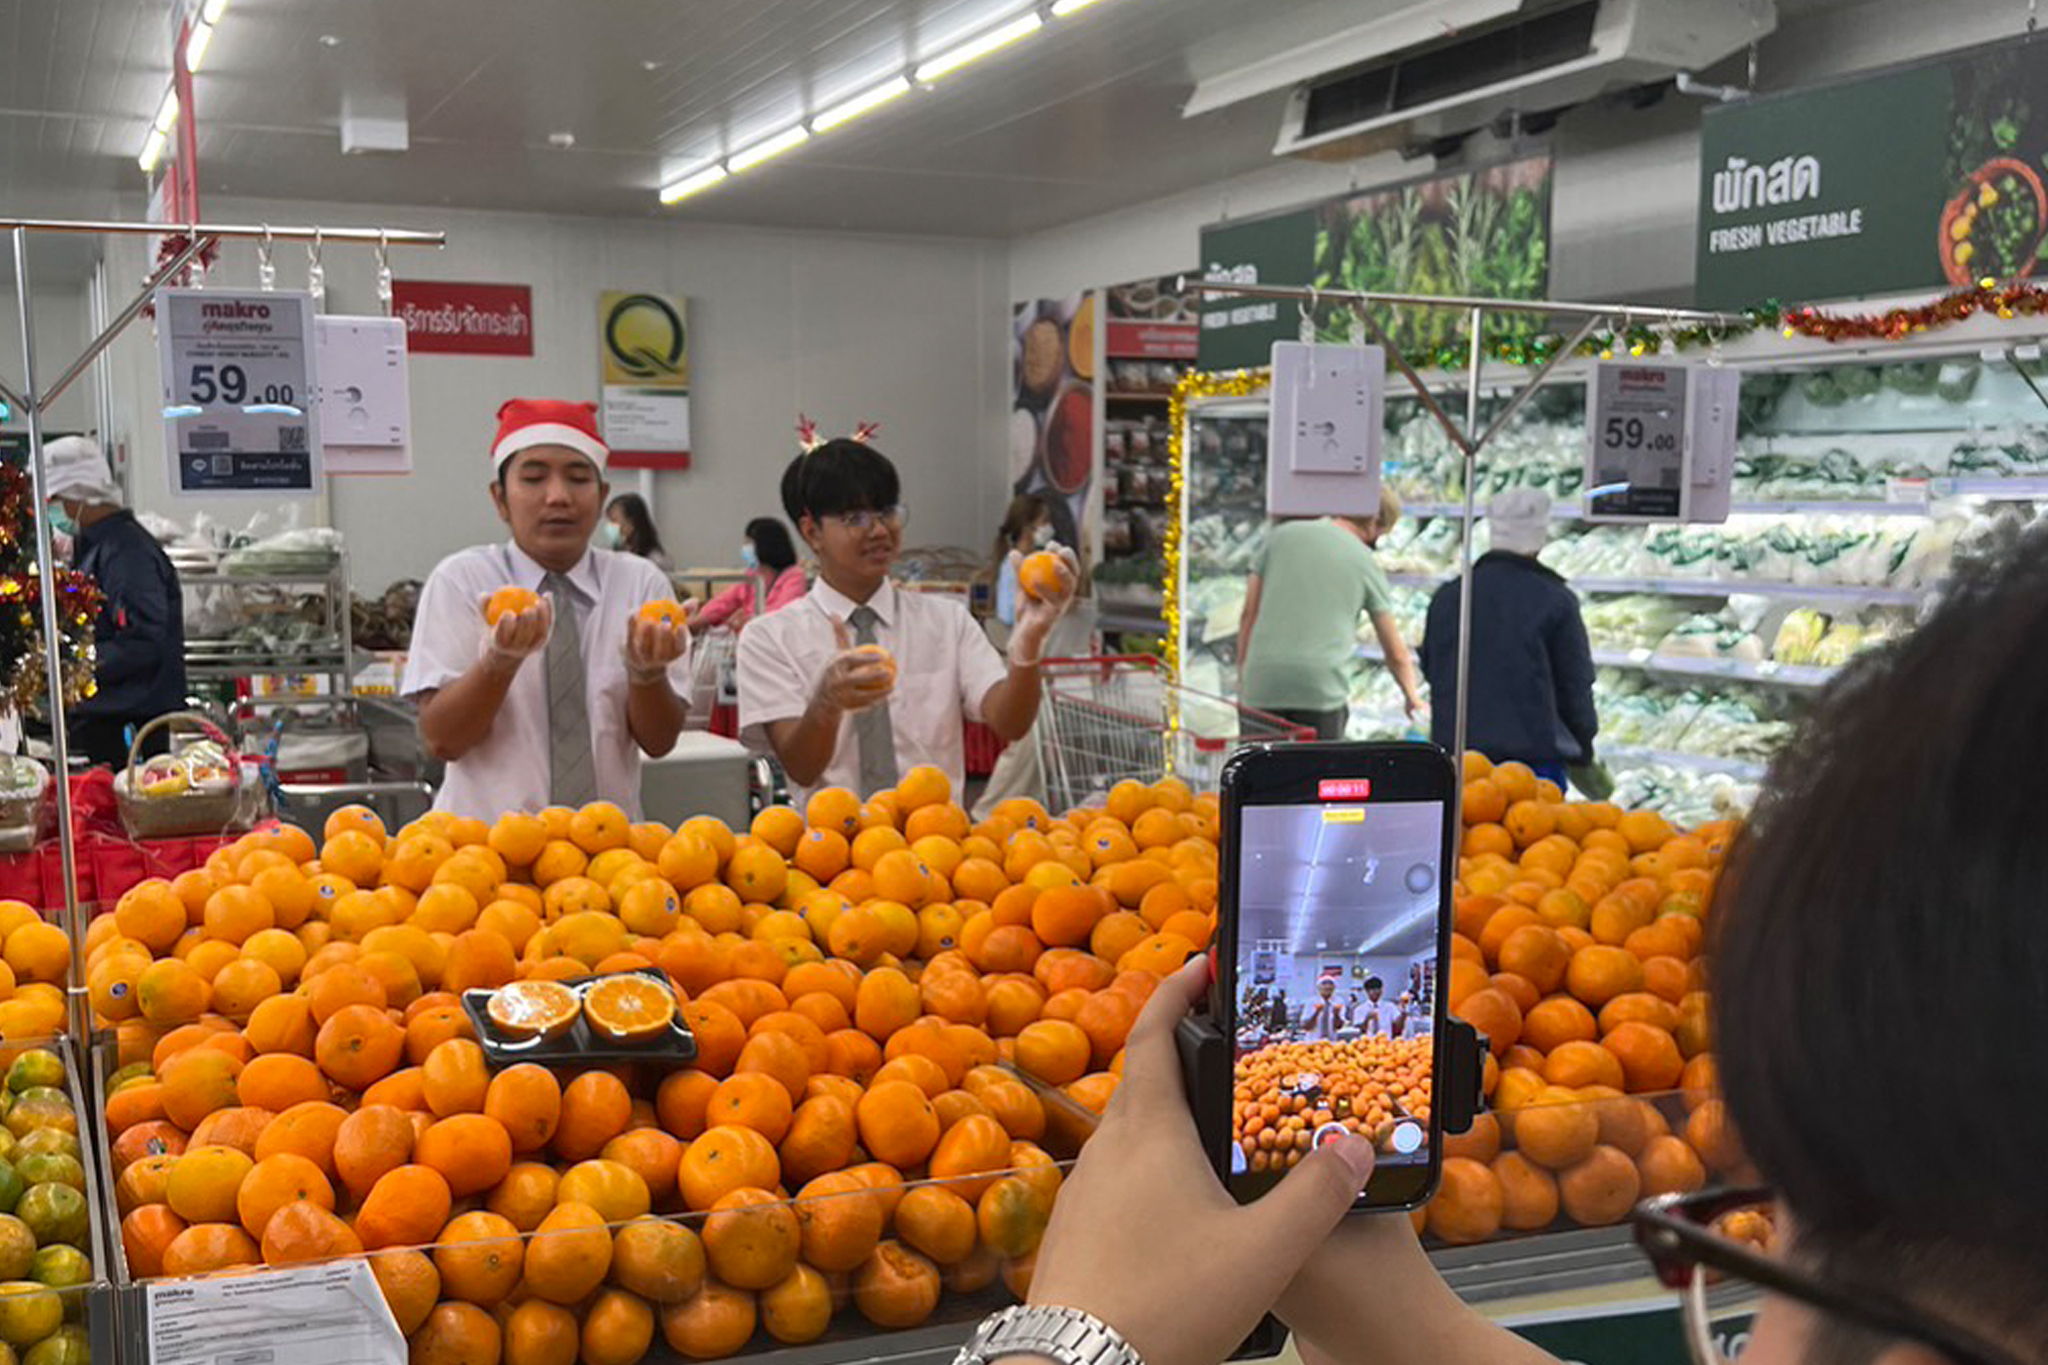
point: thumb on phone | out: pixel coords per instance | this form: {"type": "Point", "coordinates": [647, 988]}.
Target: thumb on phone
{"type": "Point", "coordinates": [1314, 1196]}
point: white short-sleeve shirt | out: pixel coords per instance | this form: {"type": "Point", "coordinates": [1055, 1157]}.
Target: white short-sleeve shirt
{"type": "Point", "coordinates": [945, 667]}
{"type": "Point", "coordinates": [509, 770]}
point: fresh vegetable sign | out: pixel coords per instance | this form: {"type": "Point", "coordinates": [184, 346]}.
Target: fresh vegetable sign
{"type": "Point", "coordinates": [1925, 176]}
{"type": "Point", "coordinates": [1483, 232]}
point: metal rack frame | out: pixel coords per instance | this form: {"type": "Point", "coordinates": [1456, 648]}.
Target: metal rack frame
{"type": "Point", "coordinates": [34, 398]}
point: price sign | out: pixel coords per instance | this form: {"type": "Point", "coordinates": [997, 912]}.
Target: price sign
{"type": "Point", "coordinates": [330, 1313]}
{"type": "Point", "coordinates": [240, 391]}
{"type": "Point", "coordinates": [1638, 439]}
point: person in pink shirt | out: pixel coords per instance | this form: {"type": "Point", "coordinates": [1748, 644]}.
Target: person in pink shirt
{"type": "Point", "coordinates": [772, 572]}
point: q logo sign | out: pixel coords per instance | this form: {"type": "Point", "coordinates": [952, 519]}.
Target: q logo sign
{"type": "Point", "coordinates": [645, 339]}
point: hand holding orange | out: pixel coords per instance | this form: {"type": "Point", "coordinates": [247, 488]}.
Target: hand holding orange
{"type": "Point", "coordinates": [510, 600]}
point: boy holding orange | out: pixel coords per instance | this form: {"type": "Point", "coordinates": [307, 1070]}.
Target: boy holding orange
{"type": "Point", "coordinates": [860, 680]}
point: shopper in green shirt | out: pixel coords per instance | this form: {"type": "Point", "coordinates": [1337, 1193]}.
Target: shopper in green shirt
{"type": "Point", "coordinates": [1314, 581]}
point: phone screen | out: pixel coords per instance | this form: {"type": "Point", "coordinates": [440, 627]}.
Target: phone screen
{"type": "Point", "coordinates": [1339, 919]}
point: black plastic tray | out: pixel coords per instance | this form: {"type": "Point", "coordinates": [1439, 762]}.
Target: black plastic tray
{"type": "Point", "coordinates": [677, 1047]}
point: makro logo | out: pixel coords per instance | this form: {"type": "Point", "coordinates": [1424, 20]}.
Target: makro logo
{"type": "Point", "coordinates": [238, 311]}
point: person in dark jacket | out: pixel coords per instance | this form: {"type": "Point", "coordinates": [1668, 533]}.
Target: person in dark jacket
{"type": "Point", "coordinates": [139, 643]}
{"type": "Point", "coordinates": [1532, 669]}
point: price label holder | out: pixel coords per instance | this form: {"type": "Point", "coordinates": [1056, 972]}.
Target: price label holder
{"type": "Point", "coordinates": [240, 390]}
{"type": "Point", "coordinates": [365, 405]}
{"type": "Point", "coordinates": [1660, 443]}
{"type": "Point", "coordinates": [1327, 424]}
{"type": "Point", "coordinates": [327, 1314]}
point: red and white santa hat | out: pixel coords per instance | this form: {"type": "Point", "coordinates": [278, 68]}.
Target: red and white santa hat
{"type": "Point", "coordinates": [524, 423]}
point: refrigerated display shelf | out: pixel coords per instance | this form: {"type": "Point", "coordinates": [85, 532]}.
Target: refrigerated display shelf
{"type": "Point", "coordinates": [1680, 665]}
{"type": "Point", "coordinates": [1741, 769]}
{"type": "Point", "coordinates": [1716, 587]}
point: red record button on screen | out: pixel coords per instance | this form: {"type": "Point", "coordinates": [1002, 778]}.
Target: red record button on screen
{"type": "Point", "coordinates": [1344, 788]}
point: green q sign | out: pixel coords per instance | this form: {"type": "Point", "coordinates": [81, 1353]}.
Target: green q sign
{"type": "Point", "coordinates": [644, 340]}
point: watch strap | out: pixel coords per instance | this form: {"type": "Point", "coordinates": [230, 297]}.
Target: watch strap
{"type": "Point", "coordinates": [1066, 1335]}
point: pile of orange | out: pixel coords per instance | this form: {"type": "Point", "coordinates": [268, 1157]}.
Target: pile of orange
{"type": "Point", "coordinates": [1368, 1085]}
{"type": "Point", "coordinates": [299, 1081]}
{"type": "Point", "coordinates": [1577, 955]}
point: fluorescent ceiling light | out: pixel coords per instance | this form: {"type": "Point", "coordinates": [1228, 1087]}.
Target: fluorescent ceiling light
{"type": "Point", "coordinates": [211, 12]}
{"type": "Point", "coordinates": [975, 49]}
{"type": "Point", "coordinates": [153, 150]}
{"type": "Point", "coordinates": [860, 104]}
{"type": "Point", "coordinates": [693, 183]}
{"type": "Point", "coordinates": [166, 113]}
{"type": "Point", "coordinates": [196, 44]}
{"type": "Point", "coordinates": [1062, 8]}
{"type": "Point", "coordinates": [771, 147]}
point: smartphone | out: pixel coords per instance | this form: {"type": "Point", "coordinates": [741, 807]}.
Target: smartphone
{"type": "Point", "coordinates": [1335, 900]}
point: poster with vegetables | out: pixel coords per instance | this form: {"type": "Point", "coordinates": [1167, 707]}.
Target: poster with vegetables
{"type": "Point", "coordinates": [1483, 232]}
{"type": "Point", "coordinates": [1053, 415]}
{"type": "Point", "coordinates": [1927, 176]}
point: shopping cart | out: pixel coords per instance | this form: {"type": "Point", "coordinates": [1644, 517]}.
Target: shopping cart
{"type": "Point", "coordinates": [714, 691]}
{"type": "Point", "coordinates": [1108, 719]}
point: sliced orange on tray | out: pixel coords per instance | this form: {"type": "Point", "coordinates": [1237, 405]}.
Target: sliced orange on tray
{"type": "Point", "coordinates": [629, 1008]}
{"type": "Point", "coordinates": [533, 1009]}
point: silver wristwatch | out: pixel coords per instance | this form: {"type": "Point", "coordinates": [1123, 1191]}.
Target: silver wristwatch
{"type": "Point", "coordinates": [1066, 1335]}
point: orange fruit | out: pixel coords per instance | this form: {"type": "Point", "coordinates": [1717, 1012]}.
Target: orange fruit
{"type": "Point", "coordinates": [1668, 1166]}
{"type": "Point", "coordinates": [569, 1254]}
{"type": "Point", "coordinates": [1556, 1129]}
{"type": "Point", "coordinates": [358, 1045]}
{"type": "Point", "coordinates": [617, 1329]}
{"type": "Point", "coordinates": [896, 1287]}
{"type": "Point", "coordinates": [1598, 973]}
{"type": "Point", "coordinates": [203, 1184]}
{"type": "Point", "coordinates": [938, 1223]}
{"type": "Point", "coordinates": [717, 1321]}
{"type": "Point", "coordinates": [799, 1307]}
{"type": "Point", "coordinates": [533, 1009]}
{"type": "Point", "coordinates": [526, 1101]}
{"type": "Point", "coordinates": [471, 1152]}
{"type": "Point", "coordinates": [821, 1138]}
{"type": "Point", "coordinates": [751, 1238]}
{"type": "Point", "coordinates": [1578, 1063]}
{"type": "Point", "coordinates": [897, 1124]}
{"type": "Point", "coordinates": [1600, 1189]}
{"type": "Point", "coordinates": [278, 1080]}
{"type": "Point", "coordinates": [630, 1008]}
{"type": "Point", "coordinates": [369, 1144]}
{"type": "Point", "coordinates": [196, 1083]}
{"type": "Point", "coordinates": [206, 1247]}
{"type": "Point", "coordinates": [525, 1195]}
{"type": "Point", "coordinates": [1528, 1193]}
{"type": "Point", "coordinates": [1012, 1217]}
{"type": "Point", "coordinates": [661, 1261]}
{"type": "Point", "coordinates": [724, 1159]}
{"type": "Point", "coordinates": [510, 600]}
{"type": "Point", "coordinates": [596, 1107]}
{"type": "Point", "coordinates": [1649, 1056]}
{"type": "Point", "coordinates": [1493, 1014]}
{"type": "Point", "coordinates": [1469, 1201]}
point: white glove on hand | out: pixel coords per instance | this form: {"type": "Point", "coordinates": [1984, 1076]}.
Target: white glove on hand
{"type": "Point", "coordinates": [651, 646]}
{"type": "Point", "coordinates": [519, 636]}
{"type": "Point", "coordinates": [1037, 615]}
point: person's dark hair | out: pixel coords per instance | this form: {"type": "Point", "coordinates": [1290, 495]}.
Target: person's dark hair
{"type": "Point", "coordinates": [641, 537]}
{"type": "Point", "coordinates": [771, 543]}
{"type": "Point", "coordinates": [1878, 962]}
{"type": "Point", "coordinates": [1025, 511]}
{"type": "Point", "coordinates": [1373, 983]}
{"type": "Point", "coordinates": [839, 476]}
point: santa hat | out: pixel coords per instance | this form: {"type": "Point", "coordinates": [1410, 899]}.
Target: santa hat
{"type": "Point", "coordinates": [524, 423]}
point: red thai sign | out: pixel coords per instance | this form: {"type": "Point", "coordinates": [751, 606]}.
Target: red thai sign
{"type": "Point", "coordinates": [464, 319]}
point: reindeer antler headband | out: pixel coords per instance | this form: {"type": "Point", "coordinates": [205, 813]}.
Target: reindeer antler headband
{"type": "Point", "coordinates": [808, 439]}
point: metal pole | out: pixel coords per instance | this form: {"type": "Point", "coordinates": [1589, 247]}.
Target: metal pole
{"type": "Point", "coordinates": [114, 329]}
{"type": "Point", "coordinates": [102, 374]}
{"type": "Point", "coordinates": [1475, 352]}
{"type": "Point", "coordinates": [1556, 307]}
{"type": "Point", "coordinates": [53, 670]}
{"type": "Point", "coordinates": [252, 231]}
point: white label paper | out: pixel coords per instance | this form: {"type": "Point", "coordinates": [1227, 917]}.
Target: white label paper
{"type": "Point", "coordinates": [638, 419]}
{"type": "Point", "coordinates": [1637, 422]}
{"type": "Point", "coordinates": [239, 391]}
{"type": "Point", "coordinates": [365, 404]}
{"type": "Point", "coordinates": [327, 1314]}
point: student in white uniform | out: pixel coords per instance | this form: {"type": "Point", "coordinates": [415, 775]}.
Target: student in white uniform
{"type": "Point", "coordinates": [554, 705]}
{"type": "Point", "coordinates": [836, 716]}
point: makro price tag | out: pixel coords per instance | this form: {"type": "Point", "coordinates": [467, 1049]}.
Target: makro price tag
{"type": "Point", "coordinates": [330, 1313]}
{"type": "Point", "coordinates": [240, 391]}
{"type": "Point", "coordinates": [1637, 431]}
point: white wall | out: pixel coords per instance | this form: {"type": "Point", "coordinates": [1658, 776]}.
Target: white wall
{"type": "Point", "coordinates": [60, 334]}
{"type": "Point", "coordinates": [906, 332]}
{"type": "Point", "coordinates": [1624, 204]}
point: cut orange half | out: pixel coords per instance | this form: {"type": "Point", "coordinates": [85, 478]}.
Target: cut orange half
{"type": "Point", "coordinates": [533, 1009]}
{"type": "Point", "coordinates": [629, 1008]}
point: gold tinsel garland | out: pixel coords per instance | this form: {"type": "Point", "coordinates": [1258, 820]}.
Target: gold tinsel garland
{"type": "Point", "coordinates": [1194, 385]}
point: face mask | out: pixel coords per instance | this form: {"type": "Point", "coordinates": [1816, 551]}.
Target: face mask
{"type": "Point", "coordinates": [608, 534]}
{"type": "Point", "coordinates": [60, 520]}
{"type": "Point", "coordinates": [749, 556]}
{"type": "Point", "coordinates": [1042, 537]}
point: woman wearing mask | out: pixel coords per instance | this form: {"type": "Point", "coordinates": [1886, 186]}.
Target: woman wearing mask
{"type": "Point", "coordinates": [774, 578]}
{"type": "Point", "coordinates": [628, 526]}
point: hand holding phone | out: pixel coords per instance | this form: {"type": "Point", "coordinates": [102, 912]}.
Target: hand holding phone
{"type": "Point", "coordinates": [1335, 911]}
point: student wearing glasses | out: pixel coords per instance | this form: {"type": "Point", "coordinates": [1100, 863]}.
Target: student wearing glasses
{"type": "Point", "coordinates": [1900, 1234]}
{"type": "Point", "coordinates": [860, 680]}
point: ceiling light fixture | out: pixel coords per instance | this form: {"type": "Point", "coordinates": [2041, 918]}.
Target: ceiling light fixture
{"type": "Point", "coordinates": [768, 148]}
{"type": "Point", "coordinates": [973, 50]}
{"type": "Point", "coordinates": [694, 183]}
{"type": "Point", "coordinates": [1062, 8]}
{"type": "Point", "coordinates": [153, 150]}
{"type": "Point", "coordinates": [847, 111]}
{"type": "Point", "coordinates": [212, 10]}
{"type": "Point", "coordinates": [166, 113]}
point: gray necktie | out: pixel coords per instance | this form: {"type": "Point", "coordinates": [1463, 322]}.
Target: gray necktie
{"type": "Point", "coordinates": [872, 727]}
{"type": "Point", "coordinates": [572, 770]}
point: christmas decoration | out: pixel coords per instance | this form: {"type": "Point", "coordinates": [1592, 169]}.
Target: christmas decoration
{"type": "Point", "coordinates": [1195, 384]}
{"type": "Point", "coordinates": [21, 606]}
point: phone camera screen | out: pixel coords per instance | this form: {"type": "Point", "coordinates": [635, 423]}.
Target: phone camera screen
{"type": "Point", "coordinates": [1337, 925]}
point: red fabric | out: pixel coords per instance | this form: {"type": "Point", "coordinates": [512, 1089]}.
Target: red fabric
{"type": "Point", "coordinates": [983, 749]}
{"type": "Point", "coordinates": [108, 866]}
{"type": "Point", "coordinates": [523, 422]}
